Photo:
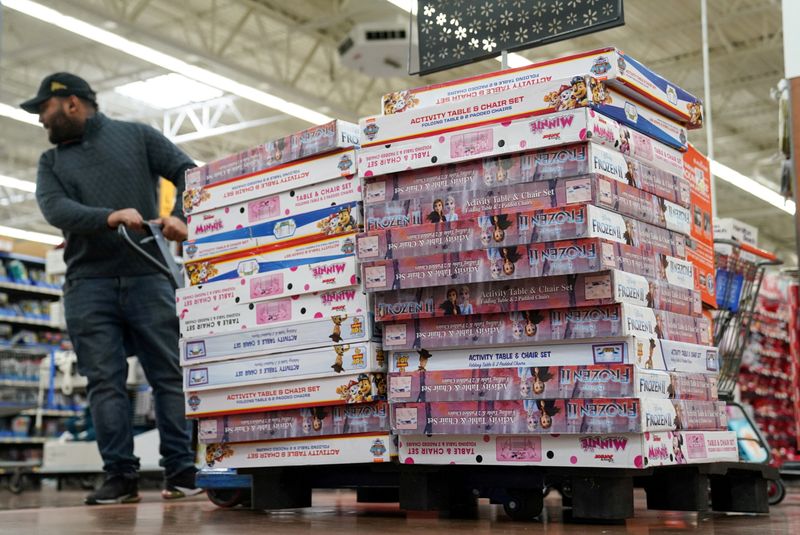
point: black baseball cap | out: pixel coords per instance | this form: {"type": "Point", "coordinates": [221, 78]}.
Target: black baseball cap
{"type": "Point", "coordinates": [60, 84]}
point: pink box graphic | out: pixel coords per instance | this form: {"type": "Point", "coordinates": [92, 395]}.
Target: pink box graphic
{"type": "Point", "coordinates": [619, 70]}
{"type": "Point", "coordinates": [221, 318]}
{"type": "Point", "coordinates": [340, 390]}
{"type": "Point", "coordinates": [345, 449]}
{"type": "Point", "coordinates": [534, 416]}
{"type": "Point", "coordinates": [528, 327]}
{"type": "Point", "coordinates": [554, 130]}
{"type": "Point", "coordinates": [584, 451]}
{"type": "Point", "coordinates": [646, 352]}
{"type": "Point", "coordinates": [549, 382]}
{"type": "Point", "coordinates": [589, 289]}
{"type": "Point", "coordinates": [296, 423]}
{"type": "Point", "coordinates": [285, 177]}
{"type": "Point", "coordinates": [271, 207]}
{"type": "Point", "coordinates": [692, 414]}
{"type": "Point", "coordinates": [584, 255]}
{"type": "Point", "coordinates": [310, 142]}
{"type": "Point", "coordinates": [533, 166]}
{"type": "Point", "coordinates": [565, 222]}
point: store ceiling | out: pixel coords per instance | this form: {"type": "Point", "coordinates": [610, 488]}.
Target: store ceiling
{"type": "Point", "coordinates": [289, 49]}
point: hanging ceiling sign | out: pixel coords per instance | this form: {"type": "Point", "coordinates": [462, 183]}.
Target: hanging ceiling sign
{"type": "Point", "coordinates": [457, 32]}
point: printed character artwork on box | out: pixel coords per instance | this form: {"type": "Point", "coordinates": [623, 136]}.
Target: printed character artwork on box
{"type": "Point", "coordinates": [200, 272]}
{"type": "Point", "coordinates": [338, 223]}
{"type": "Point", "coordinates": [624, 140]}
{"type": "Point", "coordinates": [265, 286]}
{"type": "Point", "coordinates": [648, 364]}
{"type": "Point", "coordinates": [630, 174]}
{"type": "Point", "coordinates": [677, 448]}
{"type": "Point", "coordinates": [579, 92]}
{"type": "Point", "coordinates": [526, 323]}
{"type": "Point", "coordinates": [464, 305]}
{"type": "Point", "coordinates": [313, 418]}
{"type": "Point", "coordinates": [424, 355]}
{"type": "Point", "coordinates": [497, 226]}
{"type": "Point", "coordinates": [338, 364]}
{"type": "Point", "coordinates": [533, 380]}
{"type": "Point", "coordinates": [217, 452]}
{"type": "Point", "coordinates": [450, 209]}
{"type": "Point", "coordinates": [399, 101]}
{"type": "Point", "coordinates": [600, 95]}
{"type": "Point", "coordinates": [336, 335]}
{"type": "Point", "coordinates": [450, 305]}
{"type": "Point", "coordinates": [695, 113]}
{"type": "Point", "coordinates": [540, 413]}
{"type": "Point", "coordinates": [193, 198]}
{"type": "Point", "coordinates": [509, 257]}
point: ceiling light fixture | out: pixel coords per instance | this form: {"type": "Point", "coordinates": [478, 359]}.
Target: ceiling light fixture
{"type": "Point", "coordinates": [168, 91]}
{"type": "Point", "coordinates": [40, 237]}
{"type": "Point", "coordinates": [752, 187]}
{"type": "Point", "coordinates": [166, 61]}
{"type": "Point", "coordinates": [19, 114]}
{"type": "Point", "coordinates": [16, 183]}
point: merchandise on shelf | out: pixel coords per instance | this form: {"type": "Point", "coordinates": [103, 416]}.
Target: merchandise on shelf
{"type": "Point", "coordinates": [341, 191]}
{"type": "Point", "coordinates": [283, 233]}
{"type": "Point", "coordinates": [648, 353]}
{"type": "Point", "coordinates": [585, 451]}
{"type": "Point", "coordinates": [522, 102]}
{"type": "Point", "coordinates": [235, 266]}
{"type": "Point", "coordinates": [544, 416]}
{"type": "Point", "coordinates": [225, 316]}
{"type": "Point", "coordinates": [700, 246]}
{"type": "Point", "coordinates": [311, 363]}
{"type": "Point", "coordinates": [310, 142]}
{"type": "Point", "coordinates": [590, 289]}
{"type": "Point", "coordinates": [370, 448]}
{"type": "Point", "coordinates": [386, 240]}
{"type": "Point", "coordinates": [339, 390]}
{"type": "Point", "coordinates": [296, 423]}
{"type": "Point", "coordinates": [567, 257]}
{"type": "Point", "coordinates": [297, 174]}
{"type": "Point", "coordinates": [268, 340]}
{"type": "Point", "coordinates": [554, 130]}
{"type": "Point", "coordinates": [619, 70]}
{"type": "Point", "coordinates": [549, 382]}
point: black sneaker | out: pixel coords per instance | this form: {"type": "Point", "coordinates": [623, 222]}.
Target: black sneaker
{"type": "Point", "coordinates": [116, 489]}
{"type": "Point", "coordinates": [181, 485]}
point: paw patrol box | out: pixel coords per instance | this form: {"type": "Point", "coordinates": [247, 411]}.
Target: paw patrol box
{"type": "Point", "coordinates": [268, 340]}
{"type": "Point", "coordinates": [617, 69]}
{"type": "Point", "coordinates": [585, 255]}
{"type": "Point", "coordinates": [341, 191]}
{"type": "Point", "coordinates": [267, 259]}
{"type": "Point", "coordinates": [296, 423]}
{"type": "Point", "coordinates": [588, 289]}
{"type": "Point", "coordinates": [494, 227]}
{"type": "Point", "coordinates": [529, 327]}
{"type": "Point", "coordinates": [370, 448]}
{"type": "Point", "coordinates": [339, 390]}
{"type": "Point", "coordinates": [553, 382]}
{"type": "Point", "coordinates": [220, 318]}
{"type": "Point", "coordinates": [310, 142]}
{"type": "Point", "coordinates": [647, 352]}
{"type": "Point", "coordinates": [290, 231]}
{"type": "Point", "coordinates": [553, 130]}
{"type": "Point", "coordinates": [285, 177]}
{"type": "Point", "coordinates": [547, 97]}
{"type": "Point", "coordinates": [534, 416]}
{"type": "Point", "coordinates": [341, 359]}
{"type": "Point", "coordinates": [581, 450]}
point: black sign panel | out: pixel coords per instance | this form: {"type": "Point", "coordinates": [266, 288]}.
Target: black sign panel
{"type": "Point", "coordinates": [457, 32]}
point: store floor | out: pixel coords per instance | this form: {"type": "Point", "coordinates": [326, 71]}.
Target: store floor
{"type": "Point", "coordinates": [55, 512]}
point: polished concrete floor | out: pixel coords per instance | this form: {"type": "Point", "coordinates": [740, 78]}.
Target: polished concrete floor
{"type": "Point", "coordinates": [52, 512]}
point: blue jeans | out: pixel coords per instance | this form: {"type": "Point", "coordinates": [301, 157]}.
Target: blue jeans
{"type": "Point", "coordinates": [109, 319]}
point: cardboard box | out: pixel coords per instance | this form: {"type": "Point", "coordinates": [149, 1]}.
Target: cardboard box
{"type": "Point", "coordinates": [275, 180]}
{"type": "Point", "coordinates": [296, 423]}
{"type": "Point", "coordinates": [585, 451]}
{"type": "Point", "coordinates": [340, 390]}
{"type": "Point", "coordinates": [617, 69]}
{"type": "Point", "coordinates": [545, 416]}
{"type": "Point", "coordinates": [224, 317]}
{"type": "Point", "coordinates": [586, 255]}
{"type": "Point", "coordinates": [522, 328]}
{"type": "Point", "coordinates": [341, 191]}
{"type": "Point", "coordinates": [310, 142]}
{"type": "Point", "coordinates": [557, 129]}
{"type": "Point", "coordinates": [269, 340]}
{"type": "Point", "coordinates": [372, 448]}
{"type": "Point", "coordinates": [702, 258]}
{"type": "Point", "coordinates": [477, 231]}
{"type": "Point", "coordinates": [693, 414]}
{"type": "Point", "coordinates": [549, 382]}
{"type": "Point", "coordinates": [237, 266]}
{"type": "Point", "coordinates": [649, 353]}
{"type": "Point", "coordinates": [588, 289]}
{"type": "Point", "coordinates": [700, 248]}
{"type": "Point", "coordinates": [516, 103]}
{"type": "Point", "coordinates": [283, 233]}
{"type": "Point", "coordinates": [323, 362]}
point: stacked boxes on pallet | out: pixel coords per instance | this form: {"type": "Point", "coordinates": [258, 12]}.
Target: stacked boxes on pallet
{"type": "Point", "coordinates": [282, 361]}
{"type": "Point", "coordinates": [526, 244]}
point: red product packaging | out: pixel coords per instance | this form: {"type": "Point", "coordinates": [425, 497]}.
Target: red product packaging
{"type": "Point", "coordinates": [700, 250]}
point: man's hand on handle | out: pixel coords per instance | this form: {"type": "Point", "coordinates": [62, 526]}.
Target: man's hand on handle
{"type": "Point", "coordinates": [173, 228]}
{"type": "Point", "coordinates": [130, 217]}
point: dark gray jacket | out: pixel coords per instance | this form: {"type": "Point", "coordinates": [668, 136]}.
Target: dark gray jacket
{"type": "Point", "coordinates": [115, 165]}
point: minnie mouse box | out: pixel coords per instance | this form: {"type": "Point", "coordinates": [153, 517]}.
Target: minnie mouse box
{"type": "Point", "coordinates": [550, 382]}
{"type": "Point", "coordinates": [618, 69]}
{"type": "Point", "coordinates": [619, 450]}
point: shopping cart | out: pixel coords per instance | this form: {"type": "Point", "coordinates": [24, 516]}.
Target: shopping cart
{"type": "Point", "coordinates": [740, 270]}
{"type": "Point", "coordinates": [166, 264]}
